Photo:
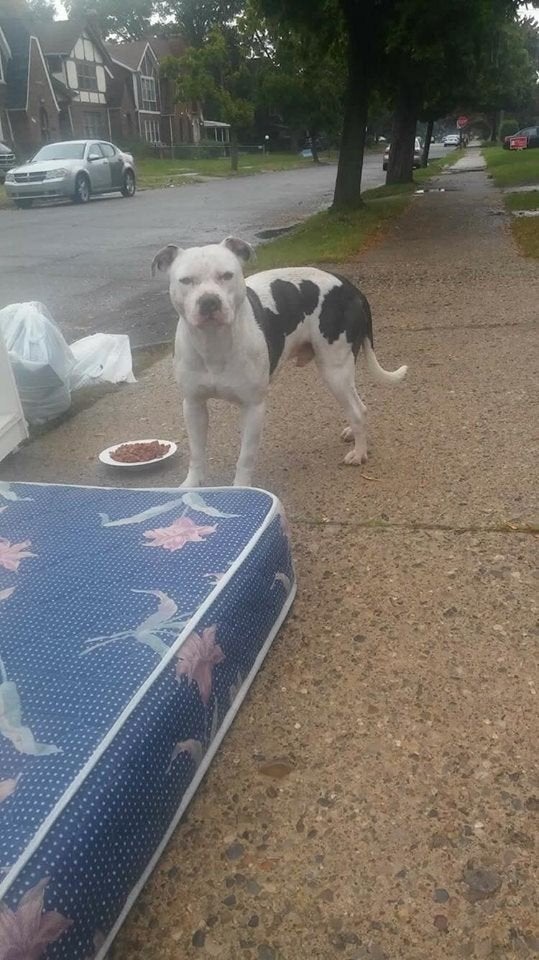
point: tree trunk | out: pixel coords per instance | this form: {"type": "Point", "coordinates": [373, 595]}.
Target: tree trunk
{"type": "Point", "coordinates": [426, 145]}
{"type": "Point", "coordinates": [294, 141]}
{"type": "Point", "coordinates": [494, 126]}
{"type": "Point", "coordinates": [401, 155]}
{"type": "Point", "coordinates": [314, 150]}
{"type": "Point", "coordinates": [348, 183]}
{"type": "Point", "coordinates": [234, 153]}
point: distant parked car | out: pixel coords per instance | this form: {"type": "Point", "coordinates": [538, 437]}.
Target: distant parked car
{"type": "Point", "coordinates": [74, 170]}
{"type": "Point", "coordinates": [451, 140]}
{"type": "Point", "coordinates": [418, 149]}
{"type": "Point", "coordinates": [532, 134]}
{"type": "Point", "coordinates": [7, 161]}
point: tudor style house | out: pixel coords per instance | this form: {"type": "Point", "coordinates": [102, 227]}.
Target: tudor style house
{"type": "Point", "coordinates": [56, 77]}
{"type": "Point", "coordinates": [148, 106]}
{"type": "Point", "coordinates": [60, 81]}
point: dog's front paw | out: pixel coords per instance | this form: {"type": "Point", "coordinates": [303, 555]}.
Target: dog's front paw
{"type": "Point", "coordinates": [354, 458]}
{"type": "Point", "coordinates": [243, 480]}
{"type": "Point", "coordinates": [193, 480]}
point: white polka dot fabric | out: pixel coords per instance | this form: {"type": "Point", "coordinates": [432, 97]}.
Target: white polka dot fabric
{"type": "Point", "coordinates": [131, 624]}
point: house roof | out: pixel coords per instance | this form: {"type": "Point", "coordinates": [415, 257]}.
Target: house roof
{"type": "Point", "coordinates": [58, 36]}
{"type": "Point", "coordinates": [168, 46]}
{"type": "Point", "coordinates": [130, 54]}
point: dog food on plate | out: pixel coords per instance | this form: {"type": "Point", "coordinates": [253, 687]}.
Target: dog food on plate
{"type": "Point", "coordinates": [139, 452]}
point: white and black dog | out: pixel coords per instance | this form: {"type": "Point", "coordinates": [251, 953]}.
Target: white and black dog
{"type": "Point", "coordinates": [233, 335]}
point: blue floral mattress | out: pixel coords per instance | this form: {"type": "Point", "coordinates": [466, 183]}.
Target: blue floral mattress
{"type": "Point", "coordinates": [132, 623]}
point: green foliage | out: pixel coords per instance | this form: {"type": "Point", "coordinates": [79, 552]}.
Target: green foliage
{"type": "Point", "coordinates": [506, 74]}
{"type": "Point", "coordinates": [215, 73]}
{"type": "Point", "coordinates": [330, 237]}
{"type": "Point", "coordinates": [195, 19]}
{"type": "Point", "coordinates": [302, 80]}
{"type": "Point", "coordinates": [508, 127]}
{"type": "Point", "coordinates": [42, 9]}
{"type": "Point", "coordinates": [116, 19]}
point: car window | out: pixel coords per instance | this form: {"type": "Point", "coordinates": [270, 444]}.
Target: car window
{"type": "Point", "coordinates": [108, 149]}
{"type": "Point", "coordinates": [94, 150]}
{"type": "Point", "coordinates": [60, 151]}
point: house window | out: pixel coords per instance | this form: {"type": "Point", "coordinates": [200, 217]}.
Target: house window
{"type": "Point", "coordinates": [149, 93]}
{"type": "Point", "coordinates": [87, 77]}
{"type": "Point", "coordinates": [151, 131]}
{"type": "Point", "coordinates": [93, 125]}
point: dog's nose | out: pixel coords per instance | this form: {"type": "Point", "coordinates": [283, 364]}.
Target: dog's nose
{"type": "Point", "coordinates": [209, 303]}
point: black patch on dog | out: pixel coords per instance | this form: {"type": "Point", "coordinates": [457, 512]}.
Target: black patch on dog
{"type": "Point", "coordinates": [293, 303]}
{"type": "Point", "coordinates": [346, 310]}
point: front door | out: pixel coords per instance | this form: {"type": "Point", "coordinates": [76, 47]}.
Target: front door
{"type": "Point", "coordinates": [98, 168]}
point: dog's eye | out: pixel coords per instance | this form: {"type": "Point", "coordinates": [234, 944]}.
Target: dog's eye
{"type": "Point", "coordinates": [226, 276]}
{"type": "Point", "coordinates": [186, 280]}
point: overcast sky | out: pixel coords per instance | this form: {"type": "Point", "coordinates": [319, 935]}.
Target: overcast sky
{"type": "Point", "coordinates": [524, 9]}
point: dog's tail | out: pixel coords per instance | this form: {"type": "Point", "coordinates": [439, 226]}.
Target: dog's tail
{"type": "Point", "coordinates": [378, 372]}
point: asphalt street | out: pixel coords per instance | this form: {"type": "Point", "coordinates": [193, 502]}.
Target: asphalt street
{"type": "Point", "coordinates": [91, 265]}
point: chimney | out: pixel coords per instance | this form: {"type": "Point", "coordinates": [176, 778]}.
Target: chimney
{"type": "Point", "coordinates": [92, 20]}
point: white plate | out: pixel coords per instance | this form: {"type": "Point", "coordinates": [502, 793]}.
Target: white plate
{"type": "Point", "coordinates": [105, 455]}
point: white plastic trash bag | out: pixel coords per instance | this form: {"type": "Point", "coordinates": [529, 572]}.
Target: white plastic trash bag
{"type": "Point", "coordinates": [101, 358]}
{"type": "Point", "coordinates": [40, 358]}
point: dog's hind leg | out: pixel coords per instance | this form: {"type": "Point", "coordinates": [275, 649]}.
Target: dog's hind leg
{"type": "Point", "coordinates": [340, 380]}
{"type": "Point", "coordinates": [195, 414]}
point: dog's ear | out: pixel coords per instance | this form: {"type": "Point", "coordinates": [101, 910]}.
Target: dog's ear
{"type": "Point", "coordinates": [240, 248]}
{"type": "Point", "coordinates": [164, 259]}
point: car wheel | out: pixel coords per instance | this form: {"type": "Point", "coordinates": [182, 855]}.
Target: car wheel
{"type": "Point", "coordinates": [82, 189]}
{"type": "Point", "coordinates": [23, 204]}
{"type": "Point", "coordinates": [129, 184]}
{"type": "Point", "coordinates": [384, 166]}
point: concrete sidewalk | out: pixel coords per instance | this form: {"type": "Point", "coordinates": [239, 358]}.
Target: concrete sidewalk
{"type": "Point", "coordinates": [401, 694]}
{"type": "Point", "coordinates": [471, 162]}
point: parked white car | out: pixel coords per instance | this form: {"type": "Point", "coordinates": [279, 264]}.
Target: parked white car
{"type": "Point", "coordinates": [451, 140]}
{"type": "Point", "coordinates": [74, 170]}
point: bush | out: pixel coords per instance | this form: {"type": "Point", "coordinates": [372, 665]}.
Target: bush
{"type": "Point", "coordinates": [507, 128]}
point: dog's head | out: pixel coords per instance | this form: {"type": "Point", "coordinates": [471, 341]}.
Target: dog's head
{"type": "Point", "coordinates": [206, 283]}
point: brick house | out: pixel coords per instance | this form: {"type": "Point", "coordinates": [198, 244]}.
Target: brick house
{"type": "Point", "coordinates": [56, 77]}
{"type": "Point", "coordinates": [80, 69]}
{"type": "Point", "coordinates": [29, 110]}
{"type": "Point", "coordinates": [154, 116]}
{"type": "Point", "coordinates": [60, 81]}
{"type": "Point", "coordinates": [139, 112]}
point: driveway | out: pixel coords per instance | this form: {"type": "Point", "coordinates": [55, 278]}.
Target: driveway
{"type": "Point", "coordinates": [91, 265]}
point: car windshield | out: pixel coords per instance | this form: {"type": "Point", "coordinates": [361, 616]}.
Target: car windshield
{"type": "Point", "coordinates": [60, 151]}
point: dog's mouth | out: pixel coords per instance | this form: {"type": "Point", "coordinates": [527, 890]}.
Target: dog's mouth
{"type": "Point", "coordinates": [211, 318]}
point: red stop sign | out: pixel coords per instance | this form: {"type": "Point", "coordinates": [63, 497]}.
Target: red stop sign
{"type": "Point", "coordinates": [461, 122]}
